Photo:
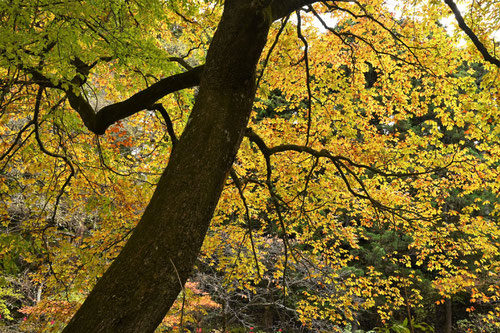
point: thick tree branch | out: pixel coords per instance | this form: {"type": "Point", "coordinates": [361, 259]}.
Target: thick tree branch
{"type": "Point", "coordinates": [465, 28]}
{"type": "Point", "coordinates": [100, 121]}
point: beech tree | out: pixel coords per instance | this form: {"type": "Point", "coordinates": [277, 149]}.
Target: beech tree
{"type": "Point", "coordinates": [54, 53]}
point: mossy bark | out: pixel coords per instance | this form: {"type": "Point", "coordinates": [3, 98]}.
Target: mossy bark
{"type": "Point", "coordinates": [142, 283]}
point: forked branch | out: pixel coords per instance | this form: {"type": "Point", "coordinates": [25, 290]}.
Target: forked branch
{"type": "Point", "coordinates": [98, 122]}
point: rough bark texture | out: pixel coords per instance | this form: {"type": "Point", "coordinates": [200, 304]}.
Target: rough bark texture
{"type": "Point", "coordinates": [449, 315]}
{"type": "Point", "coordinates": [140, 286]}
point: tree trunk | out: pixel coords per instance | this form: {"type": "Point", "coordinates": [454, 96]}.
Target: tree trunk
{"type": "Point", "coordinates": [142, 283]}
{"type": "Point", "coordinates": [449, 315]}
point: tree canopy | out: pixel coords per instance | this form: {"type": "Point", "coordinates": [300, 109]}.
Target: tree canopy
{"type": "Point", "coordinates": [311, 165]}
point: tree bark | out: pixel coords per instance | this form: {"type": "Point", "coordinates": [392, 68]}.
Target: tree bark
{"type": "Point", "coordinates": [142, 283]}
{"type": "Point", "coordinates": [449, 315]}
